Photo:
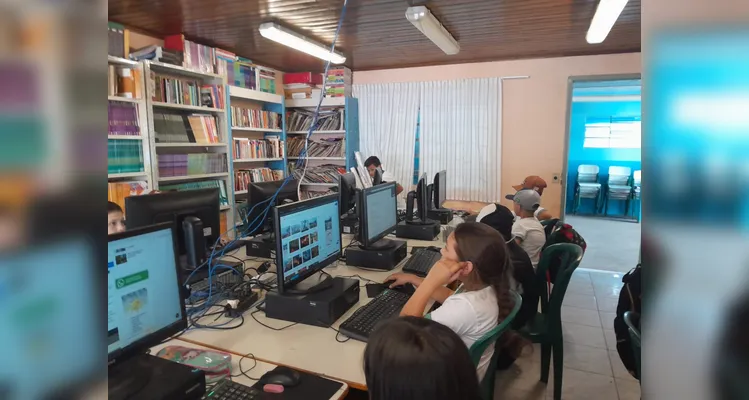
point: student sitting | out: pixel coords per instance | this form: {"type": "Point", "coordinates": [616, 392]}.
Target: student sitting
{"type": "Point", "coordinates": [475, 255]}
{"type": "Point", "coordinates": [530, 182]}
{"type": "Point", "coordinates": [528, 232]}
{"type": "Point", "coordinates": [417, 359]}
{"type": "Point", "coordinates": [373, 163]}
{"type": "Point", "coordinates": [116, 219]}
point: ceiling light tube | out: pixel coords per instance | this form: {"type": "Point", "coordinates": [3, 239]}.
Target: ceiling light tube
{"type": "Point", "coordinates": [424, 21]}
{"type": "Point", "coordinates": [279, 34]}
{"type": "Point", "coordinates": [606, 15]}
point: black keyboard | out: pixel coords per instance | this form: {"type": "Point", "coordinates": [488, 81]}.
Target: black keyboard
{"type": "Point", "coordinates": [229, 390]}
{"type": "Point", "coordinates": [421, 262]}
{"type": "Point", "coordinates": [386, 305]}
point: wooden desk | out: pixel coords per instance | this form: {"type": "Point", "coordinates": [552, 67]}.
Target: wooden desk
{"type": "Point", "coordinates": [304, 347]}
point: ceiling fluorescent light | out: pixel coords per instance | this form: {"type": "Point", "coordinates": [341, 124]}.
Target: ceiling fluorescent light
{"type": "Point", "coordinates": [606, 15]}
{"type": "Point", "coordinates": [424, 21]}
{"type": "Point", "coordinates": [277, 33]}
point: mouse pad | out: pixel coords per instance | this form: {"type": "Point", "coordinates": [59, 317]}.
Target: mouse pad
{"type": "Point", "coordinates": [310, 387]}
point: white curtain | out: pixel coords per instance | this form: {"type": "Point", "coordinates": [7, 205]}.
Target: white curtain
{"type": "Point", "coordinates": [461, 132]}
{"type": "Point", "coordinates": [387, 126]}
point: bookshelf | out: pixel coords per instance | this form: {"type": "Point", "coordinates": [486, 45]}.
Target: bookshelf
{"type": "Point", "coordinates": [130, 156]}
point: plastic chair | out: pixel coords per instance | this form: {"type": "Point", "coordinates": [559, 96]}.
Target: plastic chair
{"type": "Point", "coordinates": [546, 327]}
{"type": "Point", "coordinates": [632, 319]}
{"type": "Point", "coordinates": [636, 186]}
{"type": "Point", "coordinates": [587, 186]}
{"type": "Point", "coordinates": [618, 188]}
{"type": "Point", "coordinates": [478, 348]}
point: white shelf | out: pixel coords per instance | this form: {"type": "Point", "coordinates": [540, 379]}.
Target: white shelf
{"type": "Point", "coordinates": [192, 177]}
{"type": "Point", "coordinates": [125, 99]}
{"type": "Point", "coordinates": [249, 94]}
{"type": "Point", "coordinates": [226, 207]}
{"type": "Point", "coordinates": [236, 128]}
{"type": "Point", "coordinates": [125, 137]}
{"type": "Point", "coordinates": [320, 184]}
{"type": "Point", "coordinates": [125, 175]}
{"type": "Point", "coordinates": [249, 160]}
{"type": "Point", "coordinates": [326, 102]}
{"type": "Point", "coordinates": [191, 144]}
{"type": "Point", "coordinates": [179, 70]}
{"type": "Point", "coordinates": [187, 107]}
{"type": "Point", "coordinates": [313, 132]}
{"type": "Point", "coordinates": [240, 192]}
{"type": "Point", "coordinates": [122, 61]}
{"type": "Point", "coordinates": [319, 158]}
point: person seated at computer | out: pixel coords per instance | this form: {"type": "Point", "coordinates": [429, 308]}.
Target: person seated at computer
{"type": "Point", "coordinates": [527, 230]}
{"type": "Point", "coordinates": [475, 255]}
{"type": "Point", "coordinates": [116, 218]}
{"type": "Point", "coordinates": [411, 358]}
{"type": "Point", "coordinates": [530, 182]}
{"type": "Point", "coordinates": [373, 163]}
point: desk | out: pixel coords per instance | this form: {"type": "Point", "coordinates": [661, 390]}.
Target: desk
{"type": "Point", "coordinates": [308, 348]}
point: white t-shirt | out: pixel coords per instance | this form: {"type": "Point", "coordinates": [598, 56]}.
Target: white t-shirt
{"type": "Point", "coordinates": [493, 207]}
{"type": "Point", "coordinates": [401, 201]}
{"type": "Point", "coordinates": [532, 236]}
{"type": "Point", "coordinates": [471, 315]}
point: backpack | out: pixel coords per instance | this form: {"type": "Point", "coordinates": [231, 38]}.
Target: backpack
{"type": "Point", "coordinates": [560, 232]}
{"type": "Point", "coordinates": [629, 300]}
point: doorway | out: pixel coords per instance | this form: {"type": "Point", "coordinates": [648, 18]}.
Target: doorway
{"type": "Point", "coordinates": [601, 197]}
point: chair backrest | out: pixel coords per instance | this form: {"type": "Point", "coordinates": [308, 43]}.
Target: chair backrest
{"type": "Point", "coordinates": [632, 319]}
{"type": "Point", "coordinates": [587, 173]}
{"type": "Point", "coordinates": [637, 177]}
{"type": "Point", "coordinates": [619, 175]}
{"type": "Point", "coordinates": [478, 348]}
{"type": "Point", "coordinates": [569, 256]}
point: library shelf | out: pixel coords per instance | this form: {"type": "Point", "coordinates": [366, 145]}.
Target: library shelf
{"type": "Point", "coordinates": [236, 192]}
{"type": "Point", "coordinates": [180, 70]}
{"type": "Point", "coordinates": [193, 177]}
{"type": "Point", "coordinates": [125, 137]}
{"type": "Point", "coordinates": [127, 175]}
{"type": "Point", "coordinates": [122, 61]}
{"type": "Point", "coordinates": [249, 94]}
{"type": "Point", "coordinates": [319, 158]}
{"type": "Point", "coordinates": [125, 99]}
{"type": "Point", "coordinates": [249, 160]}
{"type": "Point", "coordinates": [314, 132]}
{"type": "Point", "coordinates": [191, 144]}
{"type": "Point", "coordinates": [326, 102]}
{"type": "Point", "coordinates": [320, 184]}
{"type": "Point", "coordinates": [161, 104]}
{"type": "Point", "coordinates": [247, 129]}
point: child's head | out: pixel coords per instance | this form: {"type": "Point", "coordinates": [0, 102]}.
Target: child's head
{"type": "Point", "coordinates": [501, 220]}
{"type": "Point", "coordinates": [116, 219]}
{"type": "Point", "coordinates": [526, 202]}
{"type": "Point", "coordinates": [484, 251]}
{"type": "Point", "coordinates": [412, 358]}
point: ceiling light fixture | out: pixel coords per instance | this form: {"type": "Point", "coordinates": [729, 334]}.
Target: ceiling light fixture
{"type": "Point", "coordinates": [424, 21]}
{"type": "Point", "coordinates": [279, 34]}
{"type": "Point", "coordinates": [606, 15]}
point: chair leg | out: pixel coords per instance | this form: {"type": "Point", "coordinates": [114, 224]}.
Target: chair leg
{"type": "Point", "coordinates": [558, 349]}
{"type": "Point", "coordinates": [545, 361]}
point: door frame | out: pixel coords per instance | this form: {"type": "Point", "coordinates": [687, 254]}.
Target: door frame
{"type": "Point", "coordinates": [566, 155]}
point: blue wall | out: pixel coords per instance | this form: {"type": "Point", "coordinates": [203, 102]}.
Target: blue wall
{"type": "Point", "coordinates": [604, 158]}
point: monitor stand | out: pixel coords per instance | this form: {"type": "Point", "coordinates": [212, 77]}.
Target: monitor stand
{"type": "Point", "coordinates": [382, 244]}
{"type": "Point", "coordinates": [311, 284]}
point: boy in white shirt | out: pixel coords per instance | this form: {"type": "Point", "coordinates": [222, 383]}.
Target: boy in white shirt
{"type": "Point", "coordinates": [527, 230]}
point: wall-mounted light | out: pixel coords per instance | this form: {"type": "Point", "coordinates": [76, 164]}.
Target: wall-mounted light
{"type": "Point", "coordinates": [279, 34]}
{"type": "Point", "coordinates": [606, 15]}
{"type": "Point", "coordinates": [424, 21]}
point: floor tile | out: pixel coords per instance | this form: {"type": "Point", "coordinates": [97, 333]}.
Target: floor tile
{"type": "Point", "coordinates": [581, 316]}
{"type": "Point", "coordinates": [580, 301]}
{"type": "Point", "coordinates": [607, 319]}
{"type": "Point", "coordinates": [607, 304]}
{"type": "Point", "coordinates": [628, 390]}
{"type": "Point", "coordinates": [522, 376]}
{"type": "Point", "coordinates": [538, 393]}
{"type": "Point", "coordinates": [580, 288]}
{"type": "Point", "coordinates": [582, 334]}
{"type": "Point", "coordinates": [586, 358]}
{"type": "Point", "coordinates": [580, 385]}
{"type": "Point", "coordinates": [610, 337]}
{"type": "Point", "coordinates": [607, 290]}
{"type": "Point", "coordinates": [620, 372]}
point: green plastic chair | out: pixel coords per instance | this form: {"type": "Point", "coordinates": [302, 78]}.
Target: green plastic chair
{"type": "Point", "coordinates": [546, 327]}
{"type": "Point", "coordinates": [478, 348]}
{"type": "Point", "coordinates": [632, 319]}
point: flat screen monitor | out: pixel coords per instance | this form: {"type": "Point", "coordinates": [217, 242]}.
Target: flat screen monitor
{"type": "Point", "coordinates": [378, 214]}
{"type": "Point", "coordinates": [422, 200]}
{"type": "Point", "coordinates": [308, 238]}
{"type": "Point", "coordinates": [144, 296]}
{"type": "Point", "coordinates": [259, 195]}
{"type": "Point", "coordinates": [440, 188]}
{"type": "Point", "coordinates": [347, 191]}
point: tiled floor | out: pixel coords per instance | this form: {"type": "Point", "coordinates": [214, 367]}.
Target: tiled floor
{"type": "Point", "coordinates": [612, 245]}
{"type": "Point", "coordinates": [592, 368]}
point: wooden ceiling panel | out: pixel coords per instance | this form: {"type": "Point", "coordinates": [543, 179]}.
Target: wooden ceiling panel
{"type": "Point", "coordinates": [375, 33]}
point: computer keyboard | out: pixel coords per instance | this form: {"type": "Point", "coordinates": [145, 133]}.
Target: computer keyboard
{"type": "Point", "coordinates": [229, 390]}
{"type": "Point", "coordinates": [386, 305]}
{"type": "Point", "coordinates": [421, 262]}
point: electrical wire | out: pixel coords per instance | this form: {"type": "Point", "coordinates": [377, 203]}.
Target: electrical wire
{"type": "Point", "coordinates": [244, 372]}
{"type": "Point", "coordinates": [337, 333]}
{"type": "Point", "coordinates": [252, 314]}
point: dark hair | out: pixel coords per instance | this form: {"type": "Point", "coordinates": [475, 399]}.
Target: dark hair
{"type": "Point", "coordinates": [501, 220]}
{"type": "Point", "coordinates": [112, 207]}
{"type": "Point", "coordinates": [411, 358]}
{"type": "Point", "coordinates": [373, 160]}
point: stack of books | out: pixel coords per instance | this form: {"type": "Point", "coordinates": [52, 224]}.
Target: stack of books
{"type": "Point", "coordinates": [191, 164]}
{"type": "Point", "coordinates": [311, 194]}
{"type": "Point", "coordinates": [266, 80]}
{"type": "Point", "coordinates": [270, 147]}
{"type": "Point", "coordinates": [243, 177]}
{"type": "Point", "coordinates": [124, 156]}
{"type": "Point", "coordinates": [123, 119]}
{"type": "Point", "coordinates": [119, 39]}
{"type": "Point", "coordinates": [242, 74]}
{"type": "Point", "coordinates": [223, 198]}
{"type": "Point", "coordinates": [118, 191]}
{"type": "Point", "coordinates": [225, 62]}
{"type": "Point", "coordinates": [302, 85]}
{"type": "Point", "coordinates": [250, 118]}
{"type": "Point", "coordinates": [321, 174]}
{"type": "Point", "coordinates": [197, 57]}
{"type": "Point", "coordinates": [338, 82]}
{"type": "Point", "coordinates": [330, 147]}
{"type": "Point", "coordinates": [301, 120]}
{"type": "Point", "coordinates": [171, 127]}
{"type": "Point", "coordinates": [158, 53]}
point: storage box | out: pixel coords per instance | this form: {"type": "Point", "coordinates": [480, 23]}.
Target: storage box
{"type": "Point", "coordinates": [302, 77]}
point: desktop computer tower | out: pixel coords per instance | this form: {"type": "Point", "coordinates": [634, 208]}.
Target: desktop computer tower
{"type": "Point", "coordinates": [148, 377]}
{"type": "Point", "coordinates": [321, 308]}
{"type": "Point", "coordinates": [443, 215]}
{"type": "Point", "coordinates": [384, 259]}
{"type": "Point", "coordinates": [260, 246]}
{"type": "Point", "coordinates": [418, 231]}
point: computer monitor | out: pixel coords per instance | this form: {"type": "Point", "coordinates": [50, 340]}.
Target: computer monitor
{"type": "Point", "coordinates": [308, 238]}
{"type": "Point", "coordinates": [377, 179]}
{"type": "Point", "coordinates": [378, 216]}
{"type": "Point", "coordinates": [347, 191]}
{"type": "Point", "coordinates": [144, 296]}
{"type": "Point", "coordinates": [258, 194]}
{"type": "Point", "coordinates": [195, 213]}
{"type": "Point", "coordinates": [439, 189]}
{"type": "Point", "coordinates": [418, 199]}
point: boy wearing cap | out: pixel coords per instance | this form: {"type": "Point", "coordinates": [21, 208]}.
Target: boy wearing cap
{"type": "Point", "coordinates": [528, 232]}
{"type": "Point", "coordinates": [530, 182]}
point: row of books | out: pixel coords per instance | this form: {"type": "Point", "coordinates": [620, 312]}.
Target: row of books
{"type": "Point", "coordinates": [270, 147]}
{"type": "Point", "coordinates": [328, 120]}
{"type": "Point", "coordinates": [172, 127]}
{"type": "Point", "coordinates": [173, 90]}
{"type": "Point", "coordinates": [191, 164]}
{"type": "Point", "coordinates": [338, 82]}
{"type": "Point", "coordinates": [196, 57]}
{"type": "Point", "coordinates": [321, 174]}
{"type": "Point", "coordinates": [307, 194]}
{"type": "Point", "coordinates": [330, 147]}
{"type": "Point", "coordinates": [243, 177]}
{"type": "Point", "coordinates": [123, 118]}
{"type": "Point", "coordinates": [124, 82]}
{"type": "Point", "coordinates": [118, 191]}
{"type": "Point", "coordinates": [118, 38]}
{"type": "Point", "coordinates": [250, 118]}
{"type": "Point", "coordinates": [124, 156]}
{"type": "Point", "coordinates": [221, 185]}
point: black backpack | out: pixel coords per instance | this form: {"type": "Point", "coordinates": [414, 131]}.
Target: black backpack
{"type": "Point", "coordinates": [629, 300]}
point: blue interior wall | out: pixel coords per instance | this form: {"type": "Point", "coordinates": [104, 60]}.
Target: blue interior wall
{"type": "Point", "coordinates": [602, 157]}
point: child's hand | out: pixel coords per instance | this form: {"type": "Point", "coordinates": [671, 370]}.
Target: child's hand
{"type": "Point", "coordinates": [445, 272]}
{"type": "Point", "coordinates": [401, 279]}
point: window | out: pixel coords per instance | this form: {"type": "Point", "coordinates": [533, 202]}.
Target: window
{"type": "Point", "coordinates": [612, 133]}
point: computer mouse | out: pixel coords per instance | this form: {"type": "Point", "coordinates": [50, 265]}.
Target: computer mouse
{"type": "Point", "coordinates": [283, 376]}
{"type": "Point", "coordinates": [407, 289]}
{"type": "Point", "coordinates": [434, 248]}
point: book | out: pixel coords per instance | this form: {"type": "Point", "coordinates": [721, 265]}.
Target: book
{"type": "Point", "coordinates": [119, 40]}
{"type": "Point", "coordinates": [191, 164]}
{"type": "Point", "coordinates": [118, 191]}
{"type": "Point", "coordinates": [124, 156]}
{"type": "Point", "coordinates": [328, 120]}
{"type": "Point", "coordinates": [168, 89]}
{"type": "Point", "coordinates": [321, 174]}
{"type": "Point", "coordinates": [123, 119]}
{"type": "Point", "coordinates": [124, 82]}
{"type": "Point", "coordinates": [271, 147]}
{"type": "Point", "coordinates": [251, 118]}
{"type": "Point", "coordinates": [212, 96]}
{"type": "Point", "coordinates": [328, 147]}
{"type": "Point", "coordinates": [213, 183]}
{"type": "Point", "coordinates": [196, 57]}
{"type": "Point", "coordinates": [243, 177]}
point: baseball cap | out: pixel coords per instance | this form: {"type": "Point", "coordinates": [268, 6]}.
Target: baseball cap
{"type": "Point", "coordinates": [534, 182]}
{"type": "Point", "coordinates": [528, 199]}
{"type": "Point", "coordinates": [500, 218]}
